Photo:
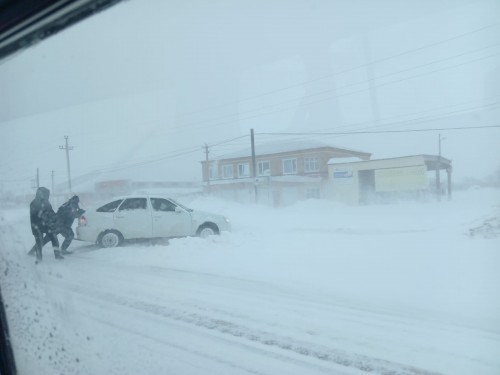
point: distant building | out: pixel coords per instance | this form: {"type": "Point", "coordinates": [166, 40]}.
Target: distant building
{"type": "Point", "coordinates": [285, 173]}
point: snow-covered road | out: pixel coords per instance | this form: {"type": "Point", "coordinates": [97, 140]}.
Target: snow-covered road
{"type": "Point", "coordinates": [309, 289]}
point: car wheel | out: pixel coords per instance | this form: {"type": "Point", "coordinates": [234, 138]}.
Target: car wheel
{"type": "Point", "coordinates": [207, 230]}
{"type": "Point", "coordinates": [110, 238]}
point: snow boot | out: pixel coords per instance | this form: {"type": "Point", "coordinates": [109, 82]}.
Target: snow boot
{"type": "Point", "coordinates": [57, 254]}
{"type": "Point", "coordinates": [65, 252]}
{"type": "Point", "coordinates": [38, 253]}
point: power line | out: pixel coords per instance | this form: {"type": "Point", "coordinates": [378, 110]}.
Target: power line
{"type": "Point", "coordinates": [138, 164]}
{"type": "Point", "coordinates": [172, 155]}
{"type": "Point", "coordinates": [228, 140]}
{"type": "Point", "coordinates": [402, 79]}
{"type": "Point", "coordinates": [414, 68]}
{"type": "Point", "coordinates": [302, 83]}
{"type": "Point", "coordinates": [420, 119]}
{"type": "Point", "coordinates": [384, 131]}
{"type": "Point", "coordinates": [309, 134]}
{"type": "Point", "coordinates": [356, 83]}
{"type": "Point", "coordinates": [339, 73]}
{"type": "Point", "coordinates": [185, 151]}
{"type": "Point", "coordinates": [341, 95]}
{"type": "Point", "coordinates": [169, 156]}
{"type": "Point", "coordinates": [361, 90]}
{"type": "Point", "coordinates": [411, 121]}
{"type": "Point", "coordinates": [197, 149]}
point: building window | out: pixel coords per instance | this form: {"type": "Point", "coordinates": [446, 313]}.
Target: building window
{"type": "Point", "coordinates": [264, 168]}
{"type": "Point", "coordinates": [289, 166]}
{"type": "Point", "coordinates": [244, 170]}
{"type": "Point", "coordinates": [312, 193]}
{"type": "Point", "coordinates": [227, 171]}
{"type": "Point", "coordinates": [311, 164]}
{"type": "Point", "coordinates": [212, 172]}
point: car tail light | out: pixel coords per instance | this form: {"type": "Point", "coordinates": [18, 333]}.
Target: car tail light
{"type": "Point", "coordinates": [82, 221]}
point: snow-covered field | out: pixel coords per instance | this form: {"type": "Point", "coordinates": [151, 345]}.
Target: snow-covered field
{"type": "Point", "coordinates": [315, 288]}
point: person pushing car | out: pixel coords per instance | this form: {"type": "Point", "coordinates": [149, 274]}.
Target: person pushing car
{"type": "Point", "coordinates": [43, 222]}
{"type": "Point", "coordinates": [64, 218]}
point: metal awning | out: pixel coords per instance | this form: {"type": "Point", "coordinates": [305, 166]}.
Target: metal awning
{"type": "Point", "coordinates": [436, 162]}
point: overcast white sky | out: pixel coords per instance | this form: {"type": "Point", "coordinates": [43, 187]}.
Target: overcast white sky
{"type": "Point", "coordinates": [140, 88]}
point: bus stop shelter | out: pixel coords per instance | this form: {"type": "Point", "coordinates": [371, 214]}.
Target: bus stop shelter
{"type": "Point", "coordinates": [384, 180]}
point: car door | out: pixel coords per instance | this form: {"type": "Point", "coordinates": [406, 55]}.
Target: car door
{"type": "Point", "coordinates": [133, 218]}
{"type": "Point", "coordinates": [169, 220]}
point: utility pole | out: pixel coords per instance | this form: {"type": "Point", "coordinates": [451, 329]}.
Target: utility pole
{"type": "Point", "coordinates": [208, 168]}
{"type": "Point", "coordinates": [254, 172]}
{"type": "Point", "coordinates": [438, 169]}
{"type": "Point", "coordinates": [52, 186]}
{"type": "Point", "coordinates": [67, 148]}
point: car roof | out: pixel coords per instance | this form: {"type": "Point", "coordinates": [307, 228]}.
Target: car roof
{"type": "Point", "coordinates": [103, 202]}
{"type": "Point", "coordinates": [138, 196]}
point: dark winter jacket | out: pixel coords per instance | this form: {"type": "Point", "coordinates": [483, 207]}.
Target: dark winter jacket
{"type": "Point", "coordinates": [68, 212]}
{"type": "Point", "coordinates": [43, 217]}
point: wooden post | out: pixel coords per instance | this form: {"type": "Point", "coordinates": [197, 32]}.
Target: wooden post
{"type": "Point", "coordinates": [254, 172]}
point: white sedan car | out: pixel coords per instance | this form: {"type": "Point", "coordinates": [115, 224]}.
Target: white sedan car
{"type": "Point", "coordinates": [142, 216]}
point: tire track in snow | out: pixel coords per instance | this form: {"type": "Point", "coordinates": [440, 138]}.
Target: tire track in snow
{"type": "Point", "coordinates": [306, 349]}
{"type": "Point", "coordinates": [345, 310]}
{"type": "Point", "coordinates": [176, 346]}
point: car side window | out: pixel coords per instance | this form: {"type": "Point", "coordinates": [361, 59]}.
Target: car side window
{"type": "Point", "coordinates": [164, 205]}
{"type": "Point", "coordinates": [133, 204]}
{"type": "Point", "coordinates": [110, 207]}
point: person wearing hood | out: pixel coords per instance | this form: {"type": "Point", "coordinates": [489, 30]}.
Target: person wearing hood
{"type": "Point", "coordinates": [43, 221]}
{"type": "Point", "coordinates": [65, 216]}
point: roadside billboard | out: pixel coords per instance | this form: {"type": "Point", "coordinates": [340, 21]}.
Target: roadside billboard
{"type": "Point", "coordinates": [401, 179]}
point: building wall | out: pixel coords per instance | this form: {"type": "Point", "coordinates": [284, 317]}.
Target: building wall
{"type": "Point", "coordinates": [343, 189]}
{"type": "Point", "coordinates": [276, 162]}
{"type": "Point", "coordinates": [273, 192]}
{"type": "Point", "coordinates": [277, 188]}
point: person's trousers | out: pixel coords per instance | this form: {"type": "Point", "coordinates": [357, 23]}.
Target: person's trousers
{"type": "Point", "coordinates": [41, 240]}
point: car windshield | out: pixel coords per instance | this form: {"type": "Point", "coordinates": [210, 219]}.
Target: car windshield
{"type": "Point", "coordinates": [181, 205]}
{"type": "Point", "coordinates": [338, 164]}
